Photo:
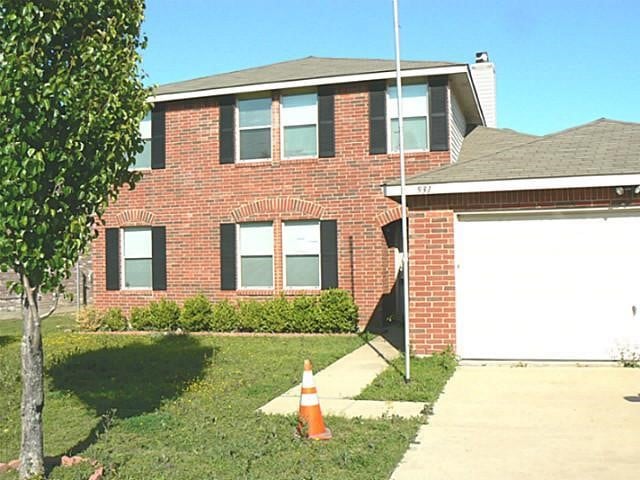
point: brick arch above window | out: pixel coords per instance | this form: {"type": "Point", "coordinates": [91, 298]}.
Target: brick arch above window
{"type": "Point", "coordinates": [134, 218]}
{"type": "Point", "coordinates": [387, 216]}
{"type": "Point", "coordinates": [277, 207]}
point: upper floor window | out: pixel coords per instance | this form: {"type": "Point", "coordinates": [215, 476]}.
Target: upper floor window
{"type": "Point", "coordinates": [301, 250]}
{"type": "Point", "coordinates": [300, 125]}
{"type": "Point", "coordinates": [415, 113]}
{"type": "Point", "coordinates": [143, 159]}
{"type": "Point", "coordinates": [255, 251]}
{"type": "Point", "coordinates": [137, 258]}
{"type": "Point", "coordinates": [254, 128]}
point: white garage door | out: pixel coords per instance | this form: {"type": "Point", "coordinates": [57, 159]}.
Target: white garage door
{"type": "Point", "coordinates": [552, 286]}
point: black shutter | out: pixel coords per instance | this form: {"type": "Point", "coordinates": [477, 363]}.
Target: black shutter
{"type": "Point", "coordinates": [227, 128]}
{"type": "Point", "coordinates": [329, 254]}
{"type": "Point", "coordinates": [227, 256]}
{"type": "Point", "coordinates": [112, 267]}
{"type": "Point", "coordinates": [377, 117]}
{"type": "Point", "coordinates": [438, 114]}
{"type": "Point", "coordinates": [159, 258]}
{"type": "Point", "coordinates": [326, 122]}
{"type": "Point", "coordinates": [158, 137]}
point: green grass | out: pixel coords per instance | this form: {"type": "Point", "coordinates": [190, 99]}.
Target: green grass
{"type": "Point", "coordinates": [428, 377]}
{"type": "Point", "coordinates": [182, 407]}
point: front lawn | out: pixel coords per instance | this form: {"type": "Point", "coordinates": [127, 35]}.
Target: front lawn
{"type": "Point", "coordinates": [183, 407]}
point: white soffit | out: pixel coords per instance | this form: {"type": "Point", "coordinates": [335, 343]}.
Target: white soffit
{"type": "Point", "coordinates": [516, 184]}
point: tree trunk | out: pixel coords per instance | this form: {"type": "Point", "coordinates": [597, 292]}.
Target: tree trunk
{"type": "Point", "coordinates": [31, 448]}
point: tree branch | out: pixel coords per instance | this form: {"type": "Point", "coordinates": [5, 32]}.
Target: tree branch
{"type": "Point", "coordinates": [56, 296]}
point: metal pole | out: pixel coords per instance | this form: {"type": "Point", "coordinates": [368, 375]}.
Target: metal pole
{"type": "Point", "coordinates": [403, 200]}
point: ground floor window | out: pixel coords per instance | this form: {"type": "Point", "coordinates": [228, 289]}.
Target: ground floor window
{"type": "Point", "coordinates": [301, 251]}
{"type": "Point", "coordinates": [255, 252]}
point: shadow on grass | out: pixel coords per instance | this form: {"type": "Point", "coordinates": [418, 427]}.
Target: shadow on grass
{"type": "Point", "coordinates": [7, 339]}
{"type": "Point", "coordinates": [131, 380]}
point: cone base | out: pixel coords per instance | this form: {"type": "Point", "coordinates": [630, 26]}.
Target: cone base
{"type": "Point", "coordinates": [326, 435]}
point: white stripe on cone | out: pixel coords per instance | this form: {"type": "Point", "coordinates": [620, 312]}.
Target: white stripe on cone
{"type": "Point", "coordinates": [307, 379]}
{"type": "Point", "coordinates": [309, 400]}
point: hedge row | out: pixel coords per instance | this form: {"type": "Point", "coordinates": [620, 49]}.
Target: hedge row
{"type": "Point", "coordinates": [333, 311]}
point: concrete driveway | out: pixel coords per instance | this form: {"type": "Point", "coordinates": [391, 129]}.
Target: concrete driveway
{"type": "Point", "coordinates": [533, 422]}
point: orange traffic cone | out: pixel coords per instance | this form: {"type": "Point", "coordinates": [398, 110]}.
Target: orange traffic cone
{"type": "Point", "coordinates": [310, 423]}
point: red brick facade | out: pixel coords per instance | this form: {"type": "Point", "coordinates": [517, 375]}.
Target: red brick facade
{"type": "Point", "coordinates": [432, 258]}
{"type": "Point", "coordinates": [194, 194]}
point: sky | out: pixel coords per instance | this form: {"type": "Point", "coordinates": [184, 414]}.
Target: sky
{"type": "Point", "coordinates": [559, 63]}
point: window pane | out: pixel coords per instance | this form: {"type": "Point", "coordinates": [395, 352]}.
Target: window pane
{"type": "Point", "coordinates": [143, 159]}
{"type": "Point", "coordinates": [137, 273]}
{"type": "Point", "coordinates": [256, 239]}
{"type": "Point", "coordinates": [255, 112]}
{"type": "Point", "coordinates": [255, 143]}
{"type": "Point", "coordinates": [300, 238]}
{"type": "Point", "coordinates": [303, 271]}
{"type": "Point", "coordinates": [300, 141]}
{"type": "Point", "coordinates": [137, 243]}
{"type": "Point", "coordinates": [145, 126]}
{"type": "Point", "coordinates": [415, 134]}
{"type": "Point", "coordinates": [256, 271]}
{"type": "Point", "coordinates": [414, 101]}
{"type": "Point", "coordinates": [299, 109]}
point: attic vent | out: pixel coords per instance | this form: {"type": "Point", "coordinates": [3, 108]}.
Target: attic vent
{"type": "Point", "coordinates": [482, 57]}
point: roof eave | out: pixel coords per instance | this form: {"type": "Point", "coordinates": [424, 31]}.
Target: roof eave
{"type": "Point", "coordinates": [519, 184]}
{"type": "Point", "coordinates": [310, 82]}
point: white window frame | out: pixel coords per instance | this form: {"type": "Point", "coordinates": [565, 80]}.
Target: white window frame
{"type": "Point", "coordinates": [145, 128]}
{"type": "Point", "coordinates": [237, 128]}
{"type": "Point", "coordinates": [239, 259]}
{"type": "Point", "coordinates": [123, 259]}
{"type": "Point", "coordinates": [282, 125]}
{"type": "Point", "coordinates": [284, 258]}
{"type": "Point", "coordinates": [389, 117]}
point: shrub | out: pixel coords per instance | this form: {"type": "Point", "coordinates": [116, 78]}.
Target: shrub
{"type": "Point", "coordinates": [276, 314]}
{"type": "Point", "coordinates": [165, 314]}
{"type": "Point", "coordinates": [337, 312]}
{"type": "Point", "coordinates": [89, 319]}
{"type": "Point", "coordinates": [113, 320]}
{"type": "Point", "coordinates": [197, 314]}
{"type": "Point", "coordinates": [225, 317]}
{"type": "Point", "coordinates": [249, 315]}
{"type": "Point", "coordinates": [140, 318]}
{"type": "Point", "coordinates": [303, 316]}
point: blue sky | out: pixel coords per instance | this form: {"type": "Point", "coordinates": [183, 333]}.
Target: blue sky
{"type": "Point", "coordinates": [559, 63]}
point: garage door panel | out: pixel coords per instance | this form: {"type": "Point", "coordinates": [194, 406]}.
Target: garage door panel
{"type": "Point", "coordinates": [547, 288]}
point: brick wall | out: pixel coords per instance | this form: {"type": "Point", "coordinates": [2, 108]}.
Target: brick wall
{"type": "Point", "coordinates": [431, 247]}
{"type": "Point", "coordinates": [194, 194]}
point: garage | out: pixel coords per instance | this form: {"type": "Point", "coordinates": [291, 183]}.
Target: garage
{"type": "Point", "coordinates": [559, 285]}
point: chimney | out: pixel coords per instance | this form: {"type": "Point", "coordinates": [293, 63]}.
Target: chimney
{"type": "Point", "coordinates": [483, 74]}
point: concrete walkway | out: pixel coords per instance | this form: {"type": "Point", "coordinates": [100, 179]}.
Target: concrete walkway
{"type": "Point", "coordinates": [346, 378]}
{"type": "Point", "coordinates": [504, 423]}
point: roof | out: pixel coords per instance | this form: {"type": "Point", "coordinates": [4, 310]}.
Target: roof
{"type": "Point", "coordinates": [304, 68]}
{"type": "Point", "coordinates": [601, 148]}
{"type": "Point", "coordinates": [483, 141]}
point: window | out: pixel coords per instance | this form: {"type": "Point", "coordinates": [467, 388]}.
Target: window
{"type": "Point", "coordinates": [255, 249]}
{"type": "Point", "coordinates": [301, 250]}
{"type": "Point", "coordinates": [414, 110]}
{"type": "Point", "coordinates": [143, 159]}
{"type": "Point", "coordinates": [137, 258]}
{"type": "Point", "coordinates": [254, 128]}
{"type": "Point", "coordinates": [300, 125]}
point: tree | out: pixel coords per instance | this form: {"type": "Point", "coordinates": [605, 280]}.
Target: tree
{"type": "Point", "coordinates": [71, 99]}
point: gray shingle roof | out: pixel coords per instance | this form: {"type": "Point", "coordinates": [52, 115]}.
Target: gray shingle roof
{"type": "Point", "coordinates": [602, 147]}
{"type": "Point", "coordinates": [301, 69]}
{"type": "Point", "coordinates": [483, 141]}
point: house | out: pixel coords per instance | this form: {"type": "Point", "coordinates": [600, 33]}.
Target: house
{"type": "Point", "coordinates": [279, 180]}
{"type": "Point", "coordinates": [268, 181]}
